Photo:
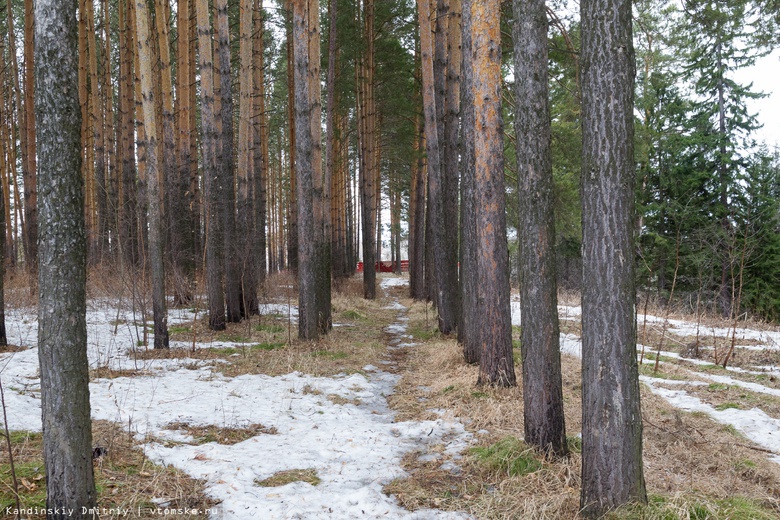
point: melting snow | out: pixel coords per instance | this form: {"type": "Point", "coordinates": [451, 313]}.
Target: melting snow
{"type": "Point", "coordinates": [355, 448]}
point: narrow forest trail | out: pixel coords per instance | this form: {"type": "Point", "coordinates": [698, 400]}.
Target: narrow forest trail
{"type": "Point", "coordinates": [339, 428]}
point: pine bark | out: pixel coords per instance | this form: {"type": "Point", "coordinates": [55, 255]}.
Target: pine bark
{"type": "Point", "coordinates": [304, 65]}
{"type": "Point", "coordinates": [30, 189]}
{"type": "Point", "coordinates": [173, 202]}
{"type": "Point", "coordinates": [449, 285]}
{"type": "Point", "coordinates": [433, 157]}
{"type": "Point", "coordinates": [226, 165]}
{"type": "Point", "coordinates": [112, 183]}
{"type": "Point", "coordinates": [181, 200]}
{"type": "Point", "coordinates": [292, 212]}
{"type": "Point", "coordinates": [62, 328]}
{"type": "Point", "coordinates": [611, 417]}
{"type": "Point", "coordinates": [3, 335]}
{"type": "Point", "coordinates": [493, 308]}
{"type": "Point", "coordinates": [95, 144]}
{"type": "Point", "coordinates": [540, 338]}
{"type": "Point", "coordinates": [321, 181]}
{"type": "Point", "coordinates": [244, 204]}
{"type": "Point", "coordinates": [261, 158]}
{"type": "Point", "coordinates": [211, 181]}
{"type": "Point", "coordinates": [331, 146]}
{"type": "Point", "coordinates": [467, 330]}
{"type": "Point", "coordinates": [443, 206]}
{"type": "Point", "coordinates": [369, 170]}
{"type": "Point", "coordinates": [154, 179]}
{"type": "Point", "coordinates": [127, 174]}
{"type": "Point", "coordinates": [417, 216]}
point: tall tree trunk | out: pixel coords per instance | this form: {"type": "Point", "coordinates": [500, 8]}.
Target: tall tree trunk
{"type": "Point", "coordinates": [725, 296]}
{"type": "Point", "coordinates": [439, 182]}
{"type": "Point", "coordinates": [112, 182]}
{"type": "Point", "coordinates": [126, 143]}
{"type": "Point", "coordinates": [417, 200]}
{"type": "Point", "coordinates": [331, 146]}
{"type": "Point", "coordinates": [141, 143]}
{"type": "Point", "coordinates": [450, 170]}
{"type": "Point", "coordinates": [431, 142]}
{"type": "Point", "coordinates": [180, 222]}
{"type": "Point", "coordinates": [95, 164]}
{"type": "Point", "coordinates": [417, 224]}
{"type": "Point", "coordinates": [494, 331]}
{"type": "Point", "coordinates": [244, 205]}
{"type": "Point", "coordinates": [321, 193]}
{"type": "Point", "coordinates": [468, 327]}
{"type": "Point", "coordinates": [101, 163]}
{"type": "Point", "coordinates": [611, 417]}
{"type": "Point", "coordinates": [540, 341]}
{"type": "Point", "coordinates": [261, 158]}
{"type": "Point", "coordinates": [195, 200]}
{"type": "Point", "coordinates": [95, 152]}
{"type": "Point", "coordinates": [3, 336]}
{"type": "Point", "coordinates": [225, 160]}
{"type": "Point", "coordinates": [24, 138]}
{"type": "Point", "coordinates": [292, 212]}
{"type": "Point", "coordinates": [62, 327]}
{"type": "Point", "coordinates": [154, 177]}
{"type": "Point", "coordinates": [368, 173]}
{"type": "Point", "coordinates": [173, 202]}
{"type": "Point", "coordinates": [306, 67]}
{"type": "Point", "coordinates": [211, 174]}
{"type": "Point", "coordinates": [30, 189]}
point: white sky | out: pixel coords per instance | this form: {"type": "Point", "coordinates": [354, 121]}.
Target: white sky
{"type": "Point", "coordinates": [765, 75]}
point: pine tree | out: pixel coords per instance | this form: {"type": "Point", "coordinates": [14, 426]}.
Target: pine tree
{"type": "Point", "coordinates": [611, 418]}
{"type": "Point", "coordinates": [494, 324]}
{"type": "Point", "coordinates": [542, 387]}
{"type": "Point", "coordinates": [62, 327]}
{"type": "Point", "coordinates": [211, 180]}
{"type": "Point", "coordinates": [155, 175]}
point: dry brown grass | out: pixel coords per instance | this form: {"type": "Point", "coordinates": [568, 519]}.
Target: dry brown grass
{"type": "Point", "coordinates": [227, 435]}
{"type": "Point", "coordinates": [124, 477]}
{"type": "Point", "coordinates": [269, 344]}
{"type": "Point", "coordinates": [282, 478]}
{"type": "Point", "coordinates": [689, 459]}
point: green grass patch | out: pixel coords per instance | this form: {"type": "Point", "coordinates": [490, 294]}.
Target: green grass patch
{"type": "Point", "coordinates": [647, 370]}
{"type": "Point", "coordinates": [744, 465]}
{"type": "Point", "coordinates": [272, 329]}
{"type": "Point", "coordinates": [353, 315]}
{"type": "Point", "coordinates": [420, 333]}
{"type": "Point", "coordinates": [510, 456]}
{"type": "Point", "coordinates": [574, 444]}
{"type": "Point", "coordinates": [715, 387]}
{"type": "Point", "coordinates": [652, 356]}
{"type": "Point", "coordinates": [282, 478]}
{"type": "Point", "coordinates": [31, 477]}
{"type": "Point", "coordinates": [178, 329]}
{"type": "Point", "coordinates": [693, 508]}
{"type": "Point", "coordinates": [225, 351]}
{"type": "Point", "coordinates": [730, 428]}
{"type": "Point", "coordinates": [479, 395]}
{"type": "Point", "coordinates": [725, 406]}
{"type": "Point", "coordinates": [448, 389]}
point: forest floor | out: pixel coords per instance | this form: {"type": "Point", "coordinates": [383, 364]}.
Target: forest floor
{"type": "Point", "coordinates": [382, 419]}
